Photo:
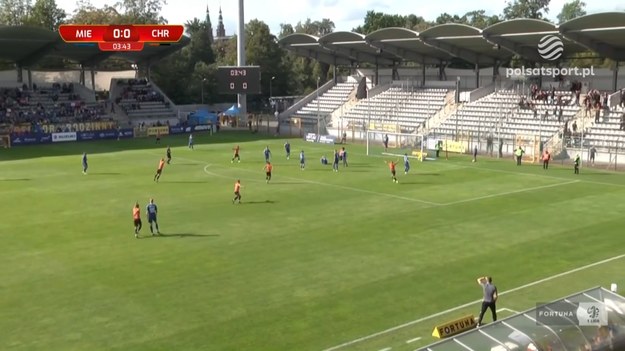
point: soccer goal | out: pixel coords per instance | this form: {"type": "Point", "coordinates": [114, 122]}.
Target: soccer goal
{"type": "Point", "coordinates": [399, 144]}
{"type": "Point", "coordinates": [531, 145]}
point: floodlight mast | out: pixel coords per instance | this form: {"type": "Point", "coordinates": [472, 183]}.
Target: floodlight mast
{"type": "Point", "coordinates": [241, 98]}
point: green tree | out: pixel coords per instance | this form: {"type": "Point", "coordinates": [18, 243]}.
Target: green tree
{"type": "Point", "coordinates": [46, 14]}
{"type": "Point", "coordinates": [447, 18]}
{"type": "Point", "coordinates": [263, 50]}
{"type": "Point", "coordinates": [537, 9]}
{"type": "Point", "coordinates": [479, 19]}
{"type": "Point", "coordinates": [285, 29]}
{"type": "Point", "coordinates": [142, 11]}
{"type": "Point", "coordinates": [87, 13]}
{"type": "Point", "coordinates": [378, 20]}
{"type": "Point", "coordinates": [571, 10]}
{"type": "Point", "coordinates": [14, 12]}
{"type": "Point", "coordinates": [201, 49]}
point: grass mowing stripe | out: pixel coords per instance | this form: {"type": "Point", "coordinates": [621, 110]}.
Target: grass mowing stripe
{"type": "Point", "coordinates": [438, 314]}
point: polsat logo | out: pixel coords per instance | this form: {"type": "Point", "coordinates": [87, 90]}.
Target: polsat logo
{"type": "Point", "coordinates": [550, 47]}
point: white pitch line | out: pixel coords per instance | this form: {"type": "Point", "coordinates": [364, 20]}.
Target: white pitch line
{"type": "Point", "coordinates": [540, 281]}
{"type": "Point", "coordinates": [509, 193]}
{"type": "Point", "coordinates": [413, 340]}
{"type": "Point", "coordinates": [507, 309]}
{"type": "Point", "coordinates": [387, 349]}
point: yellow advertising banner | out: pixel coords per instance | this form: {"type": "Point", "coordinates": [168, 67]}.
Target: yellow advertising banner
{"type": "Point", "coordinates": [384, 127]}
{"type": "Point", "coordinates": [454, 327]}
{"type": "Point", "coordinates": [152, 131]}
{"type": "Point", "coordinates": [454, 146]}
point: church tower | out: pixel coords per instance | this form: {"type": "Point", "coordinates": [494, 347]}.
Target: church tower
{"type": "Point", "coordinates": [209, 25]}
{"type": "Point", "coordinates": [221, 30]}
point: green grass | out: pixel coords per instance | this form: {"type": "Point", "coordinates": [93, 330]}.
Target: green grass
{"type": "Point", "coordinates": [312, 260]}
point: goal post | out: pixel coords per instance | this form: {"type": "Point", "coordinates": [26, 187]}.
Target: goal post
{"type": "Point", "coordinates": [531, 145]}
{"type": "Point", "coordinates": [399, 144]}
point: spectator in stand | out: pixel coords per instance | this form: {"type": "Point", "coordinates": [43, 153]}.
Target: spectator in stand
{"type": "Point", "coordinates": [622, 103]}
{"type": "Point", "coordinates": [574, 127]}
{"type": "Point", "coordinates": [622, 127]}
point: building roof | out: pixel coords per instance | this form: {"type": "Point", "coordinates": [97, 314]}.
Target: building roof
{"type": "Point", "coordinates": [464, 41]}
{"type": "Point", "coordinates": [26, 46]}
{"type": "Point", "coordinates": [523, 37]}
{"type": "Point", "coordinates": [600, 33]}
{"type": "Point", "coordinates": [405, 43]}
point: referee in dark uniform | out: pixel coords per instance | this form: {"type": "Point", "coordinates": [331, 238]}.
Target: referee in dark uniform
{"type": "Point", "coordinates": [490, 298]}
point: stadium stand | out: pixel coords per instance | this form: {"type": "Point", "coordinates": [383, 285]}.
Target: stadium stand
{"type": "Point", "coordinates": [54, 104]}
{"type": "Point", "coordinates": [609, 132]}
{"type": "Point", "coordinates": [405, 106]}
{"type": "Point", "coordinates": [142, 103]}
{"type": "Point", "coordinates": [511, 115]}
{"type": "Point", "coordinates": [327, 103]}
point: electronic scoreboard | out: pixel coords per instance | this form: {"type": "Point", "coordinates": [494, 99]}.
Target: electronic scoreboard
{"type": "Point", "coordinates": [239, 80]}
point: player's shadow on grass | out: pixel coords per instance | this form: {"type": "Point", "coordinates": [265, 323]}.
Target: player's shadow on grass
{"type": "Point", "coordinates": [182, 235]}
{"type": "Point", "coordinates": [105, 174]}
{"type": "Point", "coordinates": [266, 202]}
{"type": "Point", "coordinates": [185, 164]}
{"type": "Point", "coordinates": [187, 181]}
{"type": "Point", "coordinates": [16, 180]}
{"type": "Point", "coordinates": [428, 174]}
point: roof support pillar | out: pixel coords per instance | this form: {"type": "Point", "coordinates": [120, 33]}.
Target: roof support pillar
{"type": "Point", "coordinates": [148, 71]}
{"type": "Point", "coordinates": [30, 78]}
{"type": "Point", "coordinates": [20, 77]}
{"type": "Point", "coordinates": [615, 76]}
{"type": "Point", "coordinates": [92, 79]}
{"type": "Point", "coordinates": [334, 71]}
{"type": "Point", "coordinates": [496, 70]}
{"type": "Point", "coordinates": [376, 77]}
{"type": "Point", "coordinates": [540, 75]}
{"type": "Point", "coordinates": [423, 73]}
{"type": "Point", "coordinates": [395, 73]}
{"type": "Point", "coordinates": [477, 75]}
{"type": "Point", "coordinates": [441, 70]}
{"type": "Point", "coordinates": [81, 79]}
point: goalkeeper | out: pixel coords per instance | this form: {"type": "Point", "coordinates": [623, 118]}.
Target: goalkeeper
{"type": "Point", "coordinates": [406, 164]}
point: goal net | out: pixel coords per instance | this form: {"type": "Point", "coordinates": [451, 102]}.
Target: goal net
{"type": "Point", "coordinates": [531, 145]}
{"type": "Point", "coordinates": [398, 144]}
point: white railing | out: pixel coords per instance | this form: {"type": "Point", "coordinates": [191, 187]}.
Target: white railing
{"type": "Point", "coordinates": [307, 99]}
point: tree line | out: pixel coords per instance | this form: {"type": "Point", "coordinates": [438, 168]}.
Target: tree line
{"type": "Point", "coordinates": [189, 72]}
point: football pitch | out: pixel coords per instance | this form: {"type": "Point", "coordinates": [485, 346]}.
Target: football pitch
{"type": "Point", "coordinates": [315, 260]}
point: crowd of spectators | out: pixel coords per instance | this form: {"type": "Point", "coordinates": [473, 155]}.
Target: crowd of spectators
{"type": "Point", "coordinates": [58, 104]}
{"type": "Point", "coordinates": [138, 91]}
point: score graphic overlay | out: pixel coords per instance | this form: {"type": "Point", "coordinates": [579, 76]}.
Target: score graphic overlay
{"type": "Point", "coordinates": [239, 80]}
{"type": "Point", "coordinates": [121, 37]}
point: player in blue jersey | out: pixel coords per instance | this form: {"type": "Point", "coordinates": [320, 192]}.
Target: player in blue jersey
{"type": "Point", "coordinates": [168, 155]}
{"type": "Point", "coordinates": [267, 153]}
{"type": "Point", "coordinates": [302, 160]}
{"type": "Point", "coordinates": [287, 149]}
{"type": "Point", "coordinates": [406, 164]}
{"type": "Point", "coordinates": [151, 209]}
{"type": "Point", "coordinates": [84, 163]}
{"type": "Point", "coordinates": [344, 153]}
{"type": "Point", "coordinates": [335, 164]}
{"type": "Point", "coordinates": [191, 141]}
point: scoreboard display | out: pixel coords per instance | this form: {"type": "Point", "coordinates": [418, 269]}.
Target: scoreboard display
{"type": "Point", "coordinates": [121, 37]}
{"type": "Point", "coordinates": [239, 80]}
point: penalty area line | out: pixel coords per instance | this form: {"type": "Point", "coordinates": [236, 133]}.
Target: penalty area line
{"type": "Point", "coordinates": [468, 304]}
{"type": "Point", "coordinates": [510, 193]}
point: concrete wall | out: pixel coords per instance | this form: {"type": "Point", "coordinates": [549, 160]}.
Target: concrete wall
{"type": "Point", "coordinates": [601, 80]}
{"type": "Point", "coordinates": [46, 78]}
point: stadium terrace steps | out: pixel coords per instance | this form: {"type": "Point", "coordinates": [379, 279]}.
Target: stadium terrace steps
{"type": "Point", "coordinates": [139, 101]}
{"type": "Point", "coordinates": [406, 107]}
{"type": "Point", "coordinates": [607, 133]}
{"type": "Point", "coordinates": [500, 111]}
{"type": "Point", "coordinates": [326, 103]}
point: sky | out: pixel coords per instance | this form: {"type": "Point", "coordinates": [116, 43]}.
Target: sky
{"type": "Point", "coordinates": [346, 14]}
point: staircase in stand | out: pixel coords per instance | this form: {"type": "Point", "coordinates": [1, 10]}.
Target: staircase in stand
{"type": "Point", "coordinates": [445, 112]}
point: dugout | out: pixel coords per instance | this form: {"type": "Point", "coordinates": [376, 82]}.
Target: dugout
{"type": "Point", "coordinates": [591, 320]}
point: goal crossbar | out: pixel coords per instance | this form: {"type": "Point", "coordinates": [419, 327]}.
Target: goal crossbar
{"type": "Point", "coordinates": [397, 144]}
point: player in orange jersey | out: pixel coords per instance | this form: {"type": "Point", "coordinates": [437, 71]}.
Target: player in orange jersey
{"type": "Point", "coordinates": [159, 171]}
{"type": "Point", "coordinates": [391, 166]}
{"type": "Point", "coordinates": [268, 169]}
{"type": "Point", "coordinates": [136, 216]}
{"type": "Point", "coordinates": [236, 155]}
{"type": "Point", "coordinates": [237, 191]}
